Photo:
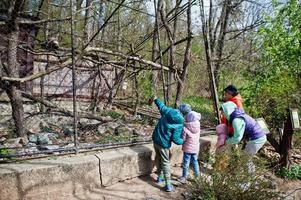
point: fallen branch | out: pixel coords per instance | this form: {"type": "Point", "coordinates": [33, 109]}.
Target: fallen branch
{"type": "Point", "coordinates": [38, 75]}
{"type": "Point", "coordinates": [139, 111]}
{"type": "Point", "coordinates": [64, 111]}
{"type": "Point", "coordinates": [69, 61]}
{"type": "Point", "coordinates": [134, 58]}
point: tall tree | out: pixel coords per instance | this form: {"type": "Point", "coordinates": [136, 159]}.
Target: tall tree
{"type": "Point", "coordinates": [155, 44]}
{"type": "Point", "coordinates": [183, 75]}
{"type": "Point", "coordinates": [13, 68]}
{"type": "Point", "coordinates": [224, 23]}
{"type": "Point", "coordinates": [88, 29]}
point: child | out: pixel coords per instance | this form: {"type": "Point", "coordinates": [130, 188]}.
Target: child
{"type": "Point", "coordinates": [168, 129]}
{"type": "Point", "coordinates": [191, 146]}
{"type": "Point", "coordinates": [184, 109]}
{"type": "Point", "coordinates": [222, 134]}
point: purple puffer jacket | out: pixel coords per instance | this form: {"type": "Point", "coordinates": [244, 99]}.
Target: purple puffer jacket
{"type": "Point", "coordinates": [252, 130]}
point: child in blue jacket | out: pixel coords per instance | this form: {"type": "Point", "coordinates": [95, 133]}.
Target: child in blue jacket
{"type": "Point", "coordinates": [169, 129]}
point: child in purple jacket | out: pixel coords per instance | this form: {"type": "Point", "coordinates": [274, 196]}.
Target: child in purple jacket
{"type": "Point", "coordinates": [191, 146]}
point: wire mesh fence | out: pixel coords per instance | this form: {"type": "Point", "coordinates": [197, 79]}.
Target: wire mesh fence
{"type": "Point", "coordinates": [76, 75]}
{"type": "Point", "coordinates": [63, 89]}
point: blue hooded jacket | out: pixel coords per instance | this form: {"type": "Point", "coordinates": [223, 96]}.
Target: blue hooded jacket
{"type": "Point", "coordinates": [170, 126]}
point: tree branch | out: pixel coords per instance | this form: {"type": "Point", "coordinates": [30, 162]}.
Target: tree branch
{"type": "Point", "coordinates": [51, 105]}
{"type": "Point", "coordinates": [133, 58]}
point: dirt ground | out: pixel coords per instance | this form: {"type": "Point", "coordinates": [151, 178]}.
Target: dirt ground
{"type": "Point", "coordinates": [145, 188]}
{"type": "Point", "coordinates": [291, 188]}
{"type": "Point", "coordinates": [141, 188]}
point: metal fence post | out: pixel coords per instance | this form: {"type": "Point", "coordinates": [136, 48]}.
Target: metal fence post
{"type": "Point", "coordinates": [73, 80]}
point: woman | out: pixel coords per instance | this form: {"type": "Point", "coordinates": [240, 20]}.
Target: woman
{"type": "Point", "coordinates": [244, 125]}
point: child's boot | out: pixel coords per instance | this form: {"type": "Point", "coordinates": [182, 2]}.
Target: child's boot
{"type": "Point", "coordinates": [160, 179]}
{"type": "Point", "coordinates": [168, 187]}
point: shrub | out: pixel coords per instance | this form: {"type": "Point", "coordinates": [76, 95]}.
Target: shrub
{"type": "Point", "coordinates": [275, 82]}
{"type": "Point", "coordinates": [230, 179]}
{"type": "Point", "coordinates": [293, 172]}
{"type": "Point", "coordinates": [5, 152]}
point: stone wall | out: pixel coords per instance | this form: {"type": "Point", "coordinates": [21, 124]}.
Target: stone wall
{"type": "Point", "coordinates": [70, 176]}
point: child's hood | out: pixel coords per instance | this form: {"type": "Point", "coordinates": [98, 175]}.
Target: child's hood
{"type": "Point", "coordinates": [193, 116]}
{"type": "Point", "coordinates": [193, 127]}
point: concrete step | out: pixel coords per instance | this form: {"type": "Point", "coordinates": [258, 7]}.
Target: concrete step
{"type": "Point", "coordinates": [63, 177]}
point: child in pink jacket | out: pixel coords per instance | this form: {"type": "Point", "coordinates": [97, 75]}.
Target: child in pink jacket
{"type": "Point", "coordinates": [222, 134]}
{"type": "Point", "coordinates": [191, 146]}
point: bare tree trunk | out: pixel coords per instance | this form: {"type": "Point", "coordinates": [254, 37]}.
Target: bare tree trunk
{"type": "Point", "coordinates": [183, 75]}
{"type": "Point", "coordinates": [13, 89]}
{"type": "Point", "coordinates": [224, 20]}
{"type": "Point", "coordinates": [97, 85]}
{"type": "Point", "coordinates": [208, 51]}
{"type": "Point", "coordinates": [13, 67]}
{"type": "Point", "coordinates": [92, 105]}
{"type": "Point", "coordinates": [119, 36]}
{"type": "Point", "coordinates": [136, 95]}
{"type": "Point", "coordinates": [159, 9]}
{"type": "Point", "coordinates": [172, 53]}
{"type": "Point", "coordinates": [171, 35]}
{"type": "Point", "coordinates": [88, 31]}
{"type": "Point", "coordinates": [88, 22]}
{"type": "Point", "coordinates": [79, 4]}
{"type": "Point", "coordinates": [284, 146]}
{"type": "Point", "coordinates": [95, 92]}
{"type": "Point", "coordinates": [155, 47]}
{"type": "Point", "coordinates": [100, 20]}
{"type": "Point", "coordinates": [46, 33]}
{"type": "Point", "coordinates": [286, 143]}
{"type": "Point", "coordinates": [110, 87]}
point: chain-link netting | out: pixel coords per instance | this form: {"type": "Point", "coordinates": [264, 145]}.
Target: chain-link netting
{"type": "Point", "coordinates": [53, 58]}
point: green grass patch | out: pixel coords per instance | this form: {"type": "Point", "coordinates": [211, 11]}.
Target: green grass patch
{"type": "Point", "coordinates": [113, 114]}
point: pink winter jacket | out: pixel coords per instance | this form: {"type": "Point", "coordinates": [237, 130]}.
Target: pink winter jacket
{"type": "Point", "coordinates": [191, 137]}
{"type": "Point", "coordinates": [222, 132]}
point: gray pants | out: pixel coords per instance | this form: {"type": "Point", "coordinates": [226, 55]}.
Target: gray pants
{"type": "Point", "coordinates": [252, 149]}
{"type": "Point", "coordinates": [162, 162]}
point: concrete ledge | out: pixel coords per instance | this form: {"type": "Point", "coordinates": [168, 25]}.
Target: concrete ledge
{"type": "Point", "coordinates": [69, 177]}
{"type": "Point", "coordinates": [44, 179]}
